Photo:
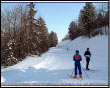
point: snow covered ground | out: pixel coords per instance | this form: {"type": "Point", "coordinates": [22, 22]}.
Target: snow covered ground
{"type": "Point", "coordinates": [53, 66]}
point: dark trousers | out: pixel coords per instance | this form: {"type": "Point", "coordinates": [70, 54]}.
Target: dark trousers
{"type": "Point", "coordinates": [87, 62]}
{"type": "Point", "coordinates": [77, 66]}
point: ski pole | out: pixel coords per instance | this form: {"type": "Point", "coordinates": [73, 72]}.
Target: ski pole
{"type": "Point", "coordinates": [85, 72]}
{"type": "Point", "coordinates": [73, 71]}
{"type": "Point", "coordinates": [94, 65]}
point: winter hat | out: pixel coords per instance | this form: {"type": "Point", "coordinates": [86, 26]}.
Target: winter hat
{"type": "Point", "coordinates": [87, 48]}
{"type": "Point", "coordinates": [77, 51]}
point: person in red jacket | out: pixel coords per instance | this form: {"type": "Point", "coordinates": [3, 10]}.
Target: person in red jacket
{"type": "Point", "coordinates": [77, 58]}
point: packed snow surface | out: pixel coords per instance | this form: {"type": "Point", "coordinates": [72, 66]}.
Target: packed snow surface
{"type": "Point", "coordinates": [54, 65]}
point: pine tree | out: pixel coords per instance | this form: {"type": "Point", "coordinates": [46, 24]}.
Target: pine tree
{"type": "Point", "coordinates": [30, 41]}
{"type": "Point", "coordinates": [88, 18]}
{"type": "Point", "coordinates": [80, 23]}
{"type": "Point", "coordinates": [31, 15]}
{"type": "Point", "coordinates": [53, 39]}
{"type": "Point", "coordinates": [73, 28]}
{"type": "Point", "coordinates": [43, 33]}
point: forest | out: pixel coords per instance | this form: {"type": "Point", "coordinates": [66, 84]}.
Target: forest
{"type": "Point", "coordinates": [23, 35]}
{"type": "Point", "coordinates": [92, 21]}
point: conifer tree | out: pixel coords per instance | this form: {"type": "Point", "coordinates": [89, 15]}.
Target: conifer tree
{"type": "Point", "coordinates": [88, 18]}
{"type": "Point", "coordinates": [73, 28]}
{"type": "Point", "coordinates": [53, 39]}
{"type": "Point", "coordinates": [31, 39]}
{"type": "Point", "coordinates": [43, 34]}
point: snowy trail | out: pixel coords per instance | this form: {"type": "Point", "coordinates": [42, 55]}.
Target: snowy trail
{"type": "Point", "coordinates": [56, 59]}
{"type": "Point", "coordinates": [53, 66]}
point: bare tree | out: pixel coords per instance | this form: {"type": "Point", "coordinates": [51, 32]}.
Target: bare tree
{"type": "Point", "coordinates": [12, 25]}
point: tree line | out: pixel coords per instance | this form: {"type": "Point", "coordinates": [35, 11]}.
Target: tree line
{"type": "Point", "coordinates": [92, 21]}
{"type": "Point", "coordinates": [23, 35]}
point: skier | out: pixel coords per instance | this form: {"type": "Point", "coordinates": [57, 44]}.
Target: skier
{"type": "Point", "coordinates": [67, 49]}
{"type": "Point", "coordinates": [77, 58]}
{"type": "Point", "coordinates": [87, 54]}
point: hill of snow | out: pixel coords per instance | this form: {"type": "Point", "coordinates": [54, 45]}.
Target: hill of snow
{"type": "Point", "coordinates": [53, 66]}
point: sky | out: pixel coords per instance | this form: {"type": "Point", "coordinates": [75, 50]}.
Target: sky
{"type": "Point", "coordinates": [56, 15]}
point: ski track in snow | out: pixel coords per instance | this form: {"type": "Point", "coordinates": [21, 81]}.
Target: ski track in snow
{"type": "Point", "coordinates": [54, 65]}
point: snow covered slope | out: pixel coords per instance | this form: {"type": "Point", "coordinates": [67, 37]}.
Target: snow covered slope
{"type": "Point", "coordinates": [53, 66]}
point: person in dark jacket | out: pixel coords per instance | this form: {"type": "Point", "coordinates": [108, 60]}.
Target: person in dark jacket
{"type": "Point", "coordinates": [87, 54]}
{"type": "Point", "coordinates": [77, 58]}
